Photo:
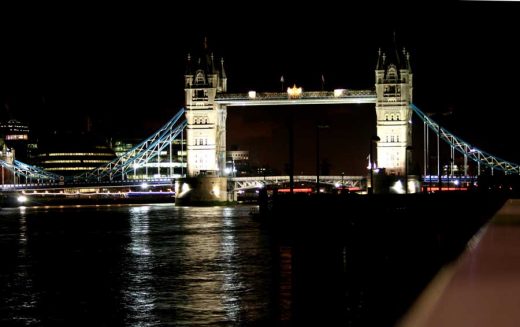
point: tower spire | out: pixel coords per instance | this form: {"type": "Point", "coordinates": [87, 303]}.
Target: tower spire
{"type": "Point", "coordinates": [380, 60]}
{"type": "Point", "coordinates": [222, 70]}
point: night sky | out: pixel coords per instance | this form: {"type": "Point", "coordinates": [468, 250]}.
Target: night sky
{"type": "Point", "coordinates": [123, 67]}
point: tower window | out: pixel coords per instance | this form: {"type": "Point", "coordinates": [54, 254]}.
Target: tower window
{"type": "Point", "coordinates": [199, 78]}
{"type": "Point", "coordinates": [391, 75]}
{"type": "Point", "coordinates": [200, 94]}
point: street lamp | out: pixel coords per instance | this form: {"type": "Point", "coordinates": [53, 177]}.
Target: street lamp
{"type": "Point", "coordinates": [373, 139]}
{"type": "Point", "coordinates": [318, 127]}
{"type": "Point", "coordinates": [408, 149]}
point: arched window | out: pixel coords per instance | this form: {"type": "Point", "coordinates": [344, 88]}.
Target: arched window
{"type": "Point", "coordinates": [386, 117]}
{"type": "Point", "coordinates": [391, 74]}
{"type": "Point", "coordinates": [199, 77]}
{"type": "Point", "coordinates": [397, 117]}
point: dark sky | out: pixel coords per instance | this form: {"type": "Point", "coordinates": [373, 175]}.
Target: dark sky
{"type": "Point", "coordinates": [123, 67]}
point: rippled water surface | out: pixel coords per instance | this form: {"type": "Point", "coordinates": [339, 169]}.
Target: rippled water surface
{"type": "Point", "coordinates": [162, 265]}
{"type": "Point", "coordinates": [151, 265]}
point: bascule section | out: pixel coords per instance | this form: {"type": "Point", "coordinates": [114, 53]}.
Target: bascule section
{"type": "Point", "coordinates": [394, 85]}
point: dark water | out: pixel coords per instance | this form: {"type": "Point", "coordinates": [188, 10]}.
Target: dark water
{"type": "Point", "coordinates": [134, 266]}
{"type": "Point", "coordinates": [161, 265]}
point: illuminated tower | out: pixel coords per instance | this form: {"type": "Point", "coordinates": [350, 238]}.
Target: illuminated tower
{"type": "Point", "coordinates": [206, 129]}
{"type": "Point", "coordinates": [394, 116]}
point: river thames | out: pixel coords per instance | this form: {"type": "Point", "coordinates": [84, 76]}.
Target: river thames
{"type": "Point", "coordinates": [162, 265]}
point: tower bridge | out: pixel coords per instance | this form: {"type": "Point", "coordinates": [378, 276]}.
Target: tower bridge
{"type": "Point", "coordinates": [203, 122]}
{"type": "Point", "coordinates": [206, 111]}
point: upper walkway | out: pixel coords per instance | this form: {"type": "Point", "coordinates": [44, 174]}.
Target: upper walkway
{"type": "Point", "coordinates": [253, 98]}
{"type": "Point", "coordinates": [481, 288]}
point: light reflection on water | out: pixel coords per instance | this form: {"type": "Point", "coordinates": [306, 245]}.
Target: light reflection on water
{"type": "Point", "coordinates": [139, 292]}
{"type": "Point", "coordinates": [153, 265]}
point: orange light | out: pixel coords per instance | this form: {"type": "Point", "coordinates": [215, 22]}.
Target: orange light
{"type": "Point", "coordinates": [294, 92]}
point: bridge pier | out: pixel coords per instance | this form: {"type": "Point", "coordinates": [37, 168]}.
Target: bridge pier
{"type": "Point", "coordinates": [201, 190]}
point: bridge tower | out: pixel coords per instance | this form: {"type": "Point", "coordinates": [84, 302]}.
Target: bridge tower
{"type": "Point", "coordinates": [206, 129]}
{"type": "Point", "coordinates": [205, 132]}
{"type": "Point", "coordinates": [394, 85]}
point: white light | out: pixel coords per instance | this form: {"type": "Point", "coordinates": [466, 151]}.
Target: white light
{"type": "Point", "coordinates": [252, 94]}
{"type": "Point", "coordinates": [337, 184]}
{"type": "Point", "coordinates": [144, 185]}
{"type": "Point", "coordinates": [22, 199]}
{"type": "Point", "coordinates": [398, 187]}
{"type": "Point", "coordinates": [216, 190]}
{"type": "Point", "coordinates": [338, 92]}
{"type": "Point", "coordinates": [456, 182]}
{"type": "Point", "coordinates": [227, 171]}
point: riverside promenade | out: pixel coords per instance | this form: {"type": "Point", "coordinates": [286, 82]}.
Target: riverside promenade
{"type": "Point", "coordinates": [481, 287]}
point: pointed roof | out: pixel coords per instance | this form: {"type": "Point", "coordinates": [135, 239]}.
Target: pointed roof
{"type": "Point", "coordinates": [392, 56]}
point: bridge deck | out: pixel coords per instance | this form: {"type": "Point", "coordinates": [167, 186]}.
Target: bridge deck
{"type": "Point", "coordinates": [482, 288]}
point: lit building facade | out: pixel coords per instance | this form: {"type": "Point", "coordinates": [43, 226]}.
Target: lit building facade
{"type": "Point", "coordinates": [237, 162]}
{"type": "Point", "coordinates": [16, 137]}
{"type": "Point", "coordinates": [72, 154]}
{"type": "Point", "coordinates": [394, 85]}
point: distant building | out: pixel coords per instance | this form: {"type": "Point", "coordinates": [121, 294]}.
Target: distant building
{"type": "Point", "coordinates": [237, 163]}
{"type": "Point", "coordinates": [69, 154]}
{"type": "Point", "coordinates": [16, 137]}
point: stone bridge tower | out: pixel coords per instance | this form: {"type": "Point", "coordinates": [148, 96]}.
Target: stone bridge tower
{"type": "Point", "coordinates": [206, 129]}
{"type": "Point", "coordinates": [394, 85]}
